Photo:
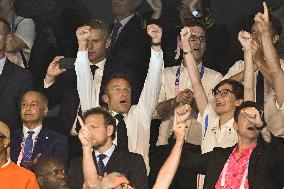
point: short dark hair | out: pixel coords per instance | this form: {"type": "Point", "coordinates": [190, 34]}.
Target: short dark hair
{"type": "Point", "coordinates": [6, 25]}
{"type": "Point", "coordinates": [238, 88]}
{"type": "Point", "coordinates": [195, 23]}
{"type": "Point", "coordinates": [43, 163]}
{"type": "Point", "coordinates": [115, 76]}
{"type": "Point", "coordinates": [244, 105]}
{"type": "Point", "coordinates": [99, 25]}
{"type": "Point", "coordinates": [276, 25]}
{"type": "Point", "coordinates": [108, 118]}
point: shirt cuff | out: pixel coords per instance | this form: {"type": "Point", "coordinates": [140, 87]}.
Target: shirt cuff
{"type": "Point", "coordinates": [47, 85]}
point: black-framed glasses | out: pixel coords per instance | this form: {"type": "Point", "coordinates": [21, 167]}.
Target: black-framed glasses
{"type": "Point", "coordinates": [55, 172]}
{"type": "Point", "coordinates": [223, 92]}
{"type": "Point", "coordinates": [194, 38]}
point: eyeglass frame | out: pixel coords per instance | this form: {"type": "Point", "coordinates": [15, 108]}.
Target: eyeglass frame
{"type": "Point", "coordinates": [202, 38]}
{"type": "Point", "coordinates": [223, 92]}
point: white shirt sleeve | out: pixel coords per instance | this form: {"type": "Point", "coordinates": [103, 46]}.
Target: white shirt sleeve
{"type": "Point", "coordinates": [235, 69]}
{"type": "Point", "coordinates": [84, 81]}
{"type": "Point", "coordinates": [26, 32]}
{"type": "Point", "coordinates": [149, 96]}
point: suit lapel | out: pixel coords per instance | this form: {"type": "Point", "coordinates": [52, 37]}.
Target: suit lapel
{"type": "Point", "coordinates": [40, 143]}
{"type": "Point", "coordinates": [16, 145]}
{"type": "Point", "coordinates": [5, 75]}
{"type": "Point", "coordinates": [124, 32]}
{"type": "Point", "coordinates": [113, 160]}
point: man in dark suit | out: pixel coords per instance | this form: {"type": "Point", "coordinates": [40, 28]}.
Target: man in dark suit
{"type": "Point", "coordinates": [34, 140]}
{"type": "Point", "coordinates": [251, 163]}
{"type": "Point", "coordinates": [60, 85]}
{"type": "Point", "coordinates": [129, 52]}
{"type": "Point", "coordinates": [14, 82]}
{"type": "Point", "coordinates": [96, 135]}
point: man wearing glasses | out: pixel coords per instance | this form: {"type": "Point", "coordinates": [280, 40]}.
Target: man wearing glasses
{"type": "Point", "coordinates": [176, 90]}
{"type": "Point", "coordinates": [51, 174]}
{"type": "Point", "coordinates": [11, 175]}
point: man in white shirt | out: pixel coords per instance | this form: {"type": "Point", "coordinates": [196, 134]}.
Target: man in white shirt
{"type": "Point", "coordinates": [265, 95]}
{"type": "Point", "coordinates": [61, 85]}
{"type": "Point", "coordinates": [117, 95]}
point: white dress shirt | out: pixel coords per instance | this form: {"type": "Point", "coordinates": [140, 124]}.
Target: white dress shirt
{"type": "Point", "coordinates": [209, 80]}
{"type": "Point", "coordinates": [108, 154]}
{"type": "Point", "coordinates": [2, 63]}
{"type": "Point", "coordinates": [273, 114]}
{"type": "Point", "coordinates": [138, 119]}
{"type": "Point", "coordinates": [34, 138]}
{"type": "Point", "coordinates": [214, 134]}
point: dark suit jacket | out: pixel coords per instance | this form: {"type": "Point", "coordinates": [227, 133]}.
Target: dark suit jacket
{"type": "Point", "coordinates": [266, 165]}
{"type": "Point", "coordinates": [130, 164]}
{"type": "Point", "coordinates": [63, 92]}
{"type": "Point", "coordinates": [14, 82]}
{"type": "Point", "coordinates": [48, 143]}
{"type": "Point", "coordinates": [130, 56]}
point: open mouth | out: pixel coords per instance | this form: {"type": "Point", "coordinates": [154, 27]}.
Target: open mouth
{"type": "Point", "coordinates": [124, 102]}
{"type": "Point", "coordinates": [251, 128]}
{"type": "Point", "coordinates": [219, 104]}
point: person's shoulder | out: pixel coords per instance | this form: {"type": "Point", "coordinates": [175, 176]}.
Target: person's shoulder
{"type": "Point", "coordinates": [54, 135]}
{"type": "Point", "coordinates": [18, 170]}
{"type": "Point", "coordinates": [210, 72]}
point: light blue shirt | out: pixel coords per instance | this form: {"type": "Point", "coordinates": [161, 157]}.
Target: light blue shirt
{"type": "Point", "coordinates": [124, 22]}
{"type": "Point", "coordinates": [108, 154]}
{"type": "Point", "coordinates": [2, 63]}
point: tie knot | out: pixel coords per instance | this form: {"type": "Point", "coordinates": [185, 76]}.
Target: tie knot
{"type": "Point", "coordinates": [31, 132]}
{"type": "Point", "coordinates": [119, 117]}
{"type": "Point", "coordinates": [116, 25]}
{"type": "Point", "coordinates": [93, 68]}
{"type": "Point", "coordinates": [102, 157]}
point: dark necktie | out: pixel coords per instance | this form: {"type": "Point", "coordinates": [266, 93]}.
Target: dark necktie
{"type": "Point", "coordinates": [28, 149]}
{"type": "Point", "coordinates": [122, 138]}
{"type": "Point", "coordinates": [114, 33]}
{"type": "Point", "coordinates": [260, 90]}
{"type": "Point", "coordinates": [101, 165]}
{"type": "Point", "coordinates": [93, 69]}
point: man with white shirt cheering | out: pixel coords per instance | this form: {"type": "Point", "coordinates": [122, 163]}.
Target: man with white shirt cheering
{"type": "Point", "coordinates": [134, 120]}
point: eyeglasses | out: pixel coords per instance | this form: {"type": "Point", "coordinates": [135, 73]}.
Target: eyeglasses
{"type": "Point", "coordinates": [223, 92]}
{"type": "Point", "coordinates": [194, 38]}
{"type": "Point", "coordinates": [55, 172]}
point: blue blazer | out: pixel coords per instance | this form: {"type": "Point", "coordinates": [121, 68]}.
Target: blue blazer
{"type": "Point", "coordinates": [48, 143]}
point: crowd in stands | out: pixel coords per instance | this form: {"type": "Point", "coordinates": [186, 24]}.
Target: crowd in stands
{"type": "Point", "coordinates": [140, 103]}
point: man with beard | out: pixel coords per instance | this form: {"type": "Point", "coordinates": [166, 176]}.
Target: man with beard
{"type": "Point", "coordinates": [51, 174]}
{"type": "Point", "coordinates": [100, 129]}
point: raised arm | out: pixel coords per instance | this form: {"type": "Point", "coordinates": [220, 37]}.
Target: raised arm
{"type": "Point", "coordinates": [88, 164]}
{"type": "Point", "coordinates": [246, 41]}
{"type": "Point", "coordinates": [199, 93]}
{"type": "Point", "coordinates": [270, 54]}
{"type": "Point", "coordinates": [149, 96]}
{"type": "Point", "coordinates": [83, 70]}
{"type": "Point", "coordinates": [168, 170]}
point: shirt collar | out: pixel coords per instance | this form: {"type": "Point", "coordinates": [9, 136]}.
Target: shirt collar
{"type": "Point", "coordinates": [115, 113]}
{"type": "Point", "coordinates": [6, 164]}
{"type": "Point", "coordinates": [36, 130]}
{"type": "Point", "coordinates": [108, 153]}
{"type": "Point", "coordinates": [3, 60]}
{"type": "Point", "coordinates": [125, 20]}
{"type": "Point", "coordinates": [100, 64]}
{"type": "Point", "coordinates": [246, 153]}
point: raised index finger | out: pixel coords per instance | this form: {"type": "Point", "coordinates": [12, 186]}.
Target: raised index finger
{"type": "Point", "coordinates": [81, 121]}
{"type": "Point", "coordinates": [265, 12]}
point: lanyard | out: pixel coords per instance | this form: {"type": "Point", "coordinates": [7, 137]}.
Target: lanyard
{"type": "Point", "coordinates": [14, 24]}
{"type": "Point", "coordinates": [242, 186]}
{"type": "Point", "coordinates": [177, 81]}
